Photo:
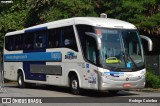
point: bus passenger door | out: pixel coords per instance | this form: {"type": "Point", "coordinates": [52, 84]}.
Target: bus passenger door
{"type": "Point", "coordinates": [90, 68]}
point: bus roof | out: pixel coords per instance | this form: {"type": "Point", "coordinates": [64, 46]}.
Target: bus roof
{"type": "Point", "coordinates": [93, 21]}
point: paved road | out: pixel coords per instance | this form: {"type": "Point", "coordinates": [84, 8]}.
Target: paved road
{"type": "Point", "coordinates": [53, 91]}
{"type": "Point", "coordinates": [44, 91]}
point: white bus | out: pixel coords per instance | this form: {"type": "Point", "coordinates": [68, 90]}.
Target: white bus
{"type": "Point", "coordinates": [82, 52]}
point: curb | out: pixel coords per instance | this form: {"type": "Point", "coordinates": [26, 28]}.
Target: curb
{"type": "Point", "coordinates": [146, 90]}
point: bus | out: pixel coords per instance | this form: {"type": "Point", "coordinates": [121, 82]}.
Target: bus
{"type": "Point", "coordinates": [95, 53]}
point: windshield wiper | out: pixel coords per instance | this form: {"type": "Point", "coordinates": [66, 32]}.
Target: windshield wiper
{"type": "Point", "coordinates": [125, 60]}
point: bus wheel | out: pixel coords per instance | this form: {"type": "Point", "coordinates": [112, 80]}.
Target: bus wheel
{"type": "Point", "coordinates": [113, 92]}
{"type": "Point", "coordinates": [74, 85]}
{"type": "Point", "coordinates": [20, 80]}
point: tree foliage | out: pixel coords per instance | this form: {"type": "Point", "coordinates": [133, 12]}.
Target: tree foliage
{"type": "Point", "coordinates": [12, 17]}
{"type": "Point", "coordinates": [145, 14]}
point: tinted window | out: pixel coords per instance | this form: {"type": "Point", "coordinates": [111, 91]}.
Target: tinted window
{"type": "Point", "coordinates": [83, 37]}
{"type": "Point", "coordinates": [18, 42]}
{"type": "Point", "coordinates": [28, 41]}
{"type": "Point", "coordinates": [91, 49]}
{"type": "Point", "coordinates": [68, 38]}
{"type": "Point", "coordinates": [8, 43]}
{"type": "Point", "coordinates": [13, 42]}
{"type": "Point", "coordinates": [39, 40]}
{"type": "Point", "coordinates": [53, 38]}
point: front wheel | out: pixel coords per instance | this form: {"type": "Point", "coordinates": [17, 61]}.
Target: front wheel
{"type": "Point", "coordinates": [20, 80]}
{"type": "Point", "coordinates": [74, 86]}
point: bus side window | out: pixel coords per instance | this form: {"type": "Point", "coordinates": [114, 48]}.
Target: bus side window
{"type": "Point", "coordinates": [28, 41]}
{"type": "Point", "coordinates": [87, 43]}
{"type": "Point", "coordinates": [38, 42]}
{"type": "Point", "coordinates": [68, 38]}
{"type": "Point", "coordinates": [91, 49]}
{"type": "Point", "coordinates": [53, 38]}
{"type": "Point", "coordinates": [18, 42]}
{"type": "Point", "coordinates": [11, 43]}
{"type": "Point", "coordinates": [40, 39]}
{"type": "Point", "coordinates": [7, 43]}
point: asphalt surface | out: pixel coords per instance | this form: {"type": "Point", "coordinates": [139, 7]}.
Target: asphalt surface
{"type": "Point", "coordinates": [11, 90]}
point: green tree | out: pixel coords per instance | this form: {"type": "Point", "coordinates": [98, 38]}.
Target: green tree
{"type": "Point", "coordinates": [12, 17]}
{"type": "Point", "coordinates": [145, 14]}
{"type": "Point", "coordinates": [44, 10]}
{"type": "Point", "coordinates": [35, 10]}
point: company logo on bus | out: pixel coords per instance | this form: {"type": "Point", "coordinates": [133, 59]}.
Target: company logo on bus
{"type": "Point", "coordinates": [70, 55]}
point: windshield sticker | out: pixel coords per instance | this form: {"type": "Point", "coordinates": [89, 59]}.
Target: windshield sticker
{"type": "Point", "coordinates": [114, 74]}
{"type": "Point", "coordinates": [70, 55]}
{"type": "Point", "coordinates": [129, 65]}
{"type": "Point", "coordinates": [112, 60]}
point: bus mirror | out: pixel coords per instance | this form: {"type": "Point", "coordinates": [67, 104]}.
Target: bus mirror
{"type": "Point", "coordinates": [96, 37]}
{"type": "Point", "coordinates": [150, 43]}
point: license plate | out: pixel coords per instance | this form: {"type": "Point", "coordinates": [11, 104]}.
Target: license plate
{"type": "Point", "coordinates": [127, 85]}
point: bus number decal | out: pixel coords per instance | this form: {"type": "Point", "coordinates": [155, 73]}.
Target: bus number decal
{"type": "Point", "coordinates": [70, 55]}
{"type": "Point", "coordinates": [92, 79]}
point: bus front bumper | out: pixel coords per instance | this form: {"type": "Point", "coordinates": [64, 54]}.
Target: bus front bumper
{"type": "Point", "coordinates": [108, 84]}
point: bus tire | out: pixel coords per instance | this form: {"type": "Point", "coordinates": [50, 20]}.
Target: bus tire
{"type": "Point", "coordinates": [74, 85]}
{"type": "Point", "coordinates": [20, 80]}
{"type": "Point", "coordinates": [113, 92]}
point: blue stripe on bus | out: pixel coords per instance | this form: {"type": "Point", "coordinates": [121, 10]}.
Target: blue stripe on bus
{"type": "Point", "coordinates": [35, 56]}
{"type": "Point", "coordinates": [35, 29]}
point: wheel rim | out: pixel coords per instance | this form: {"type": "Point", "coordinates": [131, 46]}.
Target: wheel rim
{"type": "Point", "coordinates": [74, 84]}
{"type": "Point", "coordinates": [20, 80]}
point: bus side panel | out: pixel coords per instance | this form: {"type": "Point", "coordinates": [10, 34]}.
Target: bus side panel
{"type": "Point", "coordinates": [33, 76]}
{"type": "Point", "coordinates": [10, 70]}
{"type": "Point", "coordinates": [27, 64]}
{"type": "Point", "coordinates": [54, 79]}
{"type": "Point", "coordinates": [72, 67]}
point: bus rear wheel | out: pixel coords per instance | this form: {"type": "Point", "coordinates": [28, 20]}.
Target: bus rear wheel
{"type": "Point", "coordinates": [74, 85]}
{"type": "Point", "coordinates": [20, 80]}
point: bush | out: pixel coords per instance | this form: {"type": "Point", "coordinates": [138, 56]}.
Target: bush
{"type": "Point", "coordinates": [152, 80]}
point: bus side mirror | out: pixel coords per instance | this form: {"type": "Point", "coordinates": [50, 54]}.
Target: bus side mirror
{"type": "Point", "coordinates": [97, 38]}
{"type": "Point", "coordinates": [150, 43]}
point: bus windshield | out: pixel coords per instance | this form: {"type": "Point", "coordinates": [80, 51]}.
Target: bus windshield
{"type": "Point", "coordinates": [121, 49]}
